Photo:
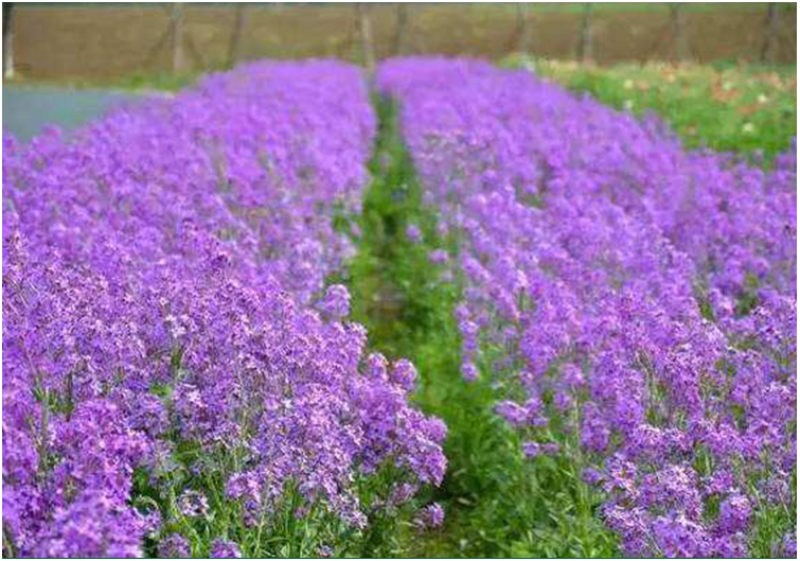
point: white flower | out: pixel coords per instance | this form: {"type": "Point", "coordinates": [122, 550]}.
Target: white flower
{"type": "Point", "coordinates": [529, 65]}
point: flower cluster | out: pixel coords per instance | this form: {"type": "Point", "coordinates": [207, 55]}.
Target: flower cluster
{"type": "Point", "coordinates": [161, 276]}
{"type": "Point", "coordinates": [642, 296]}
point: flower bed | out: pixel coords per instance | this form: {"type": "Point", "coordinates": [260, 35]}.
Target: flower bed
{"type": "Point", "coordinates": [174, 367]}
{"type": "Point", "coordinates": [634, 302]}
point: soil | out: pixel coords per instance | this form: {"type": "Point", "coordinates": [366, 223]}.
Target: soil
{"type": "Point", "coordinates": [106, 42]}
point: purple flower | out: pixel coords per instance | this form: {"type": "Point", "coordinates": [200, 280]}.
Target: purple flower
{"type": "Point", "coordinates": [734, 514]}
{"type": "Point", "coordinates": [592, 476]}
{"type": "Point", "coordinates": [531, 449]}
{"type": "Point", "coordinates": [224, 549]}
{"type": "Point", "coordinates": [469, 371]}
{"type": "Point", "coordinates": [431, 516]}
{"type": "Point", "coordinates": [336, 303]}
{"type": "Point", "coordinates": [404, 374]}
{"type": "Point", "coordinates": [512, 412]}
{"type": "Point", "coordinates": [402, 493]}
{"type": "Point", "coordinates": [245, 486]}
{"type": "Point", "coordinates": [93, 525]}
{"type": "Point", "coordinates": [551, 448]}
{"type": "Point", "coordinates": [788, 546]}
{"type": "Point", "coordinates": [414, 233]}
{"type": "Point", "coordinates": [438, 256]}
{"type": "Point", "coordinates": [193, 504]}
{"type": "Point", "coordinates": [174, 545]}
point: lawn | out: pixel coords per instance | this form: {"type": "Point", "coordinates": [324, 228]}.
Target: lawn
{"type": "Point", "coordinates": [725, 107]}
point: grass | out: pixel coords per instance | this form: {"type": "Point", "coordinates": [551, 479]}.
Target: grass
{"type": "Point", "coordinates": [166, 81]}
{"type": "Point", "coordinates": [140, 82]}
{"type": "Point", "coordinates": [747, 109]}
{"type": "Point", "coordinates": [635, 7]}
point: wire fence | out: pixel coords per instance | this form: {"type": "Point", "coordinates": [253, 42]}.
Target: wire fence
{"type": "Point", "coordinates": [52, 41]}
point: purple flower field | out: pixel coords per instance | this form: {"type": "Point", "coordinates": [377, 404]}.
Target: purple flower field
{"type": "Point", "coordinates": [183, 376]}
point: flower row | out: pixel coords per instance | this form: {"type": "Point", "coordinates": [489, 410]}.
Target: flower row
{"type": "Point", "coordinates": [173, 364]}
{"type": "Point", "coordinates": [635, 301]}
